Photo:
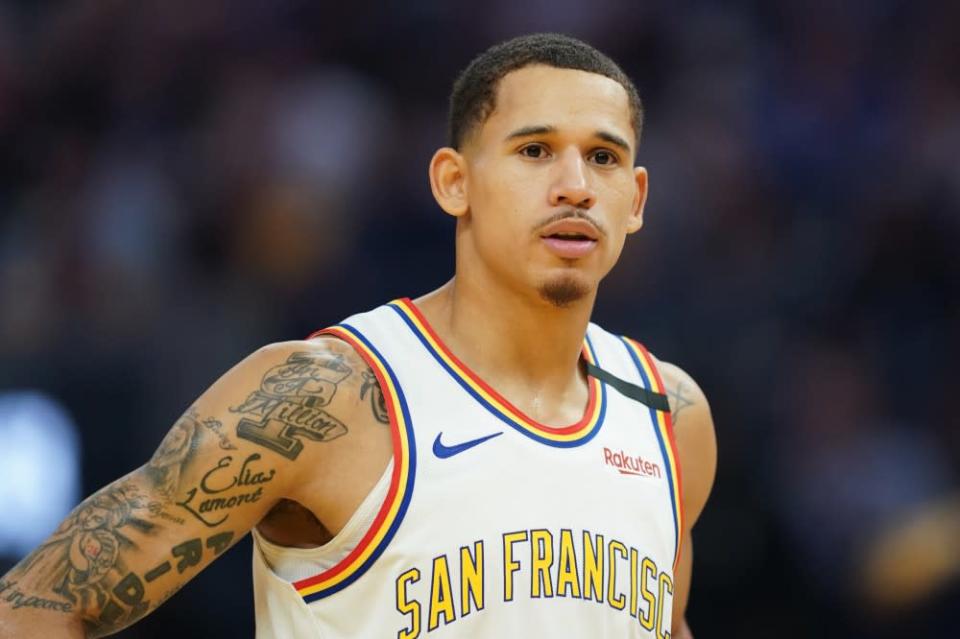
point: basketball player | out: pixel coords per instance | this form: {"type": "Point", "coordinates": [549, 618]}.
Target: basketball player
{"type": "Point", "coordinates": [479, 462]}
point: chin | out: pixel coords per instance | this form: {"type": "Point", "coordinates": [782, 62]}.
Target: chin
{"type": "Point", "coordinates": [564, 290]}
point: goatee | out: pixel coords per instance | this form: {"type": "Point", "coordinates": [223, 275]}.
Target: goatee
{"type": "Point", "coordinates": [563, 291]}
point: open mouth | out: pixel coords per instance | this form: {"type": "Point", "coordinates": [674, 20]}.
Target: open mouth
{"type": "Point", "coordinates": [574, 237]}
{"type": "Point", "coordinates": [570, 238]}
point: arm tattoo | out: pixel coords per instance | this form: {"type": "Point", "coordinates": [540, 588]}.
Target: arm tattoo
{"type": "Point", "coordinates": [226, 486]}
{"type": "Point", "coordinates": [678, 401]}
{"type": "Point", "coordinates": [77, 565]}
{"type": "Point", "coordinates": [216, 426]}
{"type": "Point", "coordinates": [175, 450]}
{"type": "Point", "coordinates": [85, 567]}
{"type": "Point", "coordinates": [80, 561]}
{"type": "Point", "coordinates": [82, 567]}
{"type": "Point", "coordinates": [288, 405]}
{"type": "Point", "coordinates": [377, 403]}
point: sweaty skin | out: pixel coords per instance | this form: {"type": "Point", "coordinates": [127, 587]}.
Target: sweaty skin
{"type": "Point", "coordinates": [293, 437]}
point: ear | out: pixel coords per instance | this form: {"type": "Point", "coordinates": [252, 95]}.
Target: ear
{"type": "Point", "coordinates": [635, 222]}
{"type": "Point", "coordinates": [448, 181]}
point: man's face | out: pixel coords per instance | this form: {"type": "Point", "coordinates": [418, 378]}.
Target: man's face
{"type": "Point", "coordinates": [551, 187]}
{"type": "Point", "coordinates": [93, 517]}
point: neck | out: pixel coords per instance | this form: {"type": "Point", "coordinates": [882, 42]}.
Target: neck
{"type": "Point", "coordinates": [525, 344]}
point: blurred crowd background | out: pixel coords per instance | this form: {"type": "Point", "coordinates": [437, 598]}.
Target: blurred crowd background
{"type": "Point", "coordinates": [182, 182]}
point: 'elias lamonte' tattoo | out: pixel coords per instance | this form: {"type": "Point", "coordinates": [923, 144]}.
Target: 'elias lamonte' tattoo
{"type": "Point", "coordinates": [377, 403]}
{"type": "Point", "coordinates": [288, 405]}
{"type": "Point", "coordinates": [226, 486]}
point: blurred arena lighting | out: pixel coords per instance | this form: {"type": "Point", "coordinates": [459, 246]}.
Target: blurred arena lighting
{"type": "Point", "coordinates": [39, 469]}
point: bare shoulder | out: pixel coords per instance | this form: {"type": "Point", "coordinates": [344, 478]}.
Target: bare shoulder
{"type": "Point", "coordinates": [302, 362]}
{"type": "Point", "coordinates": [316, 372]}
{"type": "Point", "coordinates": [318, 404]}
{"type": "Point", "coordinates": [695, 436]}
{"type": "Point", "coordinates": [306, 390]}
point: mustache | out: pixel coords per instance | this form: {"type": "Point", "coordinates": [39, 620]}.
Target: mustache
{"type": "Point", "coordinates": [572, 214]}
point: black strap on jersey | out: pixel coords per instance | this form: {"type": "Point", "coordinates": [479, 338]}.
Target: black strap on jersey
{"type": "Point", "coordinates": [646, 397]}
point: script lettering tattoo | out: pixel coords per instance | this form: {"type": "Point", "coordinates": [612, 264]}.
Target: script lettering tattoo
{"type": "Point", "coordinates": [156, 509]}
{"type": "Point", "coordinates": [287, 407]}
{"type": "Point", "coordinates": [678, 401]}
{"type": "Point", "coordinates": [12, 595]}
{"type": "Point", "coordinates": [216, 426]}
{"type": "Point", "coordinates": [222, 478]}
{"type": "Point", "coordinates": [377, 402]}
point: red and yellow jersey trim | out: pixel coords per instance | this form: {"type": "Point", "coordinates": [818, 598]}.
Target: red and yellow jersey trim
{"type": "Point", "coordinates": [394, 507]}
{"type": "Point", "coordinates": [564, 436]}
{"type": "Point", "coordinates": [664, 431]}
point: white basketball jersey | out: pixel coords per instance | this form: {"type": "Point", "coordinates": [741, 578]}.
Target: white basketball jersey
{"type": "Point", "coordinates": [492, 524]}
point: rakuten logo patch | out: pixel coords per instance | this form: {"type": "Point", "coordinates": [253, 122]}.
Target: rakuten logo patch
{"type": "Point", "coordinates": [630, 464]}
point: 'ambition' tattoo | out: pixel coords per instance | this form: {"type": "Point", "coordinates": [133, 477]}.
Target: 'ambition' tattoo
{"type": "Point", "coordinates": [377, 402]}
{"type": "Point", "coordinates": [287, 407]}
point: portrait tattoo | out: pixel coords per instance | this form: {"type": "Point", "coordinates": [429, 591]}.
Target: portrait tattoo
{"type": "Point", "coordinates": [287, 408]}
{"type": "Point", "coordinates": [167, 463]}
{"type": "Point", "coordinates": [80, 568]}
{"type": "Point", "coordinates": [84, 567]}
{"type": "Point", "coordinates": [81, 563]}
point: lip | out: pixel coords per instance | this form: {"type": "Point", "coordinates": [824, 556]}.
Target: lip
{"type": "Point", "coordinates": [570, 248]}
{"type": "Point", "coordinates": [572, 225]}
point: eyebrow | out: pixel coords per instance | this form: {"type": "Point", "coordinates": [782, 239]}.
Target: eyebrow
{"type": "Point", "coordinates": [613, 139]}
{"type": "Point", "coordinates": [527, 131]}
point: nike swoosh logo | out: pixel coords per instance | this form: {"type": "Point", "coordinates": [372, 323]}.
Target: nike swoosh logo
{"type": "Point", "coordinates": [443, 452]}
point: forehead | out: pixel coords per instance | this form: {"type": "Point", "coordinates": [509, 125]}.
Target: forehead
{"type": "Point", "coordinates": [568, 99]}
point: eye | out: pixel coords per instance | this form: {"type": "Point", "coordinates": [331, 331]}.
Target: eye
{"type": "Point", "coordinates": [603, 157]}
{"type": "Point", "coordinates": [534, 151]}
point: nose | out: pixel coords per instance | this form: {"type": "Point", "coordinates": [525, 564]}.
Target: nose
{"type": "Point", "coordinates": [571, 186]}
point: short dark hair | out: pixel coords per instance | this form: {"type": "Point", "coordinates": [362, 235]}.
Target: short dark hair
{"type": "Point", "coordinates": [474, 93]}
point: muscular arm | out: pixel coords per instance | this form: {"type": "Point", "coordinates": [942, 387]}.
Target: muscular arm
{"type": "Point", "coordinates": [242, 447]}
{"type": "Point", "coordinates": [697, 448]}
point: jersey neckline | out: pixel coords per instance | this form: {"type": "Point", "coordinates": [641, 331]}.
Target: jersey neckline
{"type": "Point", "coordinates": [564, 436]}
